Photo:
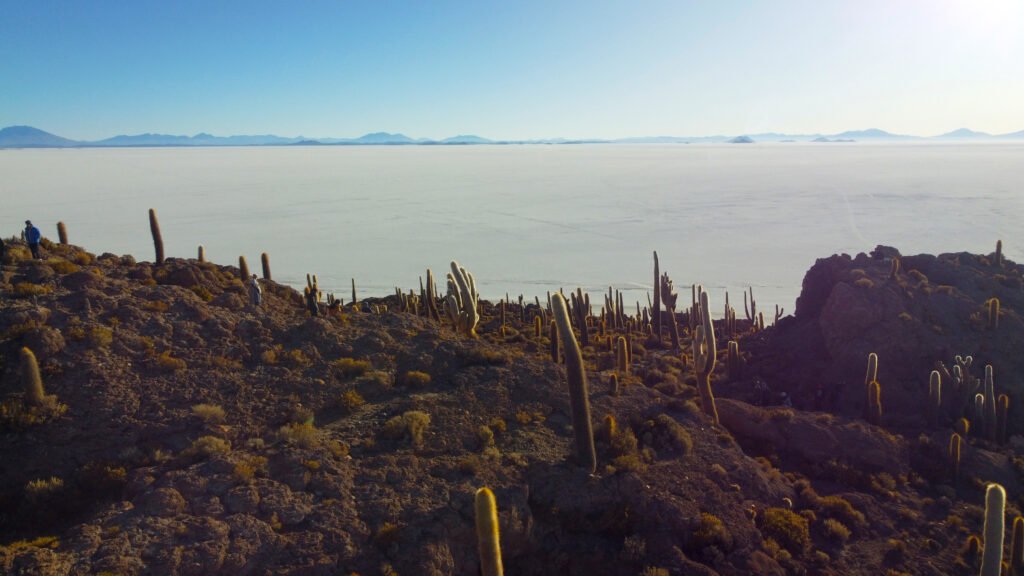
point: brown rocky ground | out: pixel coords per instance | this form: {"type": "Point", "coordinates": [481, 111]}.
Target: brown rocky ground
{"type": "Point", "coordinates": [201, 436]}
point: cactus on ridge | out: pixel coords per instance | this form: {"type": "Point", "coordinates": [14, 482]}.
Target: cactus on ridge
{"type": "Point", "coordinates": [158, 239]}
{"type": "Point", "coordinates": [579, 400]}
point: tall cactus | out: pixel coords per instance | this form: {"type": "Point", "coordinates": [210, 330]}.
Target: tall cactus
{"type": "Point", "coordinates": [954, 456]}
{"type": "Point", "coordinates": [871, 376]}
{"type": "Point", "coordinates": [1017, 548]}
{"type": "Point", "coordinates": [991, 411]}
{"type": "Point", "coordinates": [875, 402]}
{"type": "Point", "coordinates": [243, 269]}
{"type": "Point", "coordinates": [578, 398]}
{"type": "Point", "coordinates": [487, 536]}
{"type": "Point", "coordinates": [31, 380]}
{"type": "Point", "coordinates": [62, 233]}
{"type": "Point", "coordinates": [201, 254]}
{"type": "Point", "coordinates": [999, 253]}
{"type": "Point", "coordinates": [656, 312]}
{"type": "Point", "coordinates": [934, 398]}
{"type": "Point", "coordinates": [994, 531]}
{"type": "Point", "coordinates": [621, 355]}
{"type": "Point", "coordinates": [733, 363]}
{"type": "Point", "coordinates": [158, 239]}
{"type": "Point", "coordinates": [705, 354]}
{"type": "Point", "coordinates": [463, 298]}
{"type": "Point", "coordinates": [265, 261]}
{"type": "Point", "coordinates": [993, 313]}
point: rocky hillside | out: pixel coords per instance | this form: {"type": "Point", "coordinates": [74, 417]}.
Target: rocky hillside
{"type": "Point", "coordinates": [186, 431]}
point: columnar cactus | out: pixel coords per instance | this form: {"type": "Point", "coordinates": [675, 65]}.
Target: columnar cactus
{"type": "Point", "coordinates": [669, 297]}
{"type": "Point", "coordinates": [995, 505]}
{"type": "Point", "coordinates": [537, 327]}
{"type": "Point", "coordinates": [201, 254]}
{"type": "Point", "coordinates": [993, 313]}
{"type": "Point", "coordinates": [579, 313]}
{"type": "Point", "coordinates": [265, 261]}
{"type": "Point", "coordinates": [875, 402]}
{"type": "Point", "coordinates": [463, 298]}
{"type": "Point", "coordinates": [705, 354]}
{"type": "Point", "coordinates": [733, 363]}
{"type": "Point", "coordinates": [621, 355]}
{"type": "Point", "coordinates": [934, 398]}
{"type": "Point", "coordinates": [353, 292]}
{"type": "Point", "coordinates": [991, 411]}
{"type": "Point", "coordinates": [31, 380]}
{"type": "Point", "coordinates": [62, 233]}
{"type": "Point", "coordinates": [999, 253]}
{"type": "Point", "coordinates": [243, 269]}
{"type": "Point", "coordinates": [1017, 548]}
{"type": "Point", "coordinates": [954, 456]}
{"type": "Point", "coordinates": [579, 401]}
{"type": "Point", "coordinates": [870, 377]}
{"type": "Point", "coordinates": [553, 331]}
{"type": "Point", "coordinates": [1002, 411]}
{"type": "Point", "coordinates": [894, 269]}
{"type": "Point", "coordinates": [656, 311]}
{"type": "Point", "coordinates": [431, 295]}
{"type": "Point", "coordinates": [613, 384]}
{"type": "Point", "coordinates": [488, 539]}
{"type": "Point", "coordinates": [158, 239]}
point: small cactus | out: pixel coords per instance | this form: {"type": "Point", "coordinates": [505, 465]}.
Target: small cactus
{"type": "Point", "coordinates": [158, 239]}
{"type": "Point", "coordinates": [613, 384]}
{"type": "Point", "coordinates": [488, 538]}
{"type": "Point", "coordinates": [62, 233]}
{"type": "Point", "coordinates": [993, 313]}
{"type": "Point", "coordinates": [733, 360]}
{"type": "Point", "coordinates": [992, 556]}
{"type": "Point", "coordinates": [31, 380]}
{"type": "Point", "coordinates": [871, 376]}
{"type": "Point", "coordinates": [894, 269]}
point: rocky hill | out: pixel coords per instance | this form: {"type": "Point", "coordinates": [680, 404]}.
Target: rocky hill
{"type": "Point", "coordinates": [186, 431]}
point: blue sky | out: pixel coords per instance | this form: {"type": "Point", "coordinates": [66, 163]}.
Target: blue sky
{"type": "Point", "coordinates": [516, 69]}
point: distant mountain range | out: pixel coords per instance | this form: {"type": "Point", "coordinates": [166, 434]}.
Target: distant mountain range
{"type": "Point", "coordinates": [29, 137]}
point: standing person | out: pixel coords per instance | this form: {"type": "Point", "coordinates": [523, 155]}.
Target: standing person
{"type": "Point", "coordinates": [33, 236]}
{"type": "Point", "coordinates": [255, 292]}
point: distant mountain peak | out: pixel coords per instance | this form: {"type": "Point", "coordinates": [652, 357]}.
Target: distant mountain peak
{"type": "Point", "coordinates": [965, 133]}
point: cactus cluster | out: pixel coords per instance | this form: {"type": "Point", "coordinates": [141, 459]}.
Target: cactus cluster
{"type": "Point", "coordinates": [462, 300]}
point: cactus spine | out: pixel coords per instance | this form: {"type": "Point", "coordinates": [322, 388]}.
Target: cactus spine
{"type": "Point", "coordinates": [705, 354]}
{"type": "Point", "coordinates": [1017, 548]}
{"type": "Point", "coordinates": [31, 380]}
{"type": "Point", "coordinates": [265, 261]}
{"type": "Point", "coordinates": [243, 269]}
{"type": "Point", "coordinates": [62, 233]}
{"type": "Point", "coordinates": [934, 398]}
{"type": "Point", "coordinates": [488, 539]}
{"type": "Point", "coordinates": [992, 556]}
{"type": "Point", "coordinates": [158, 239]}
{"type": "Point", "coordinates": [578, 399]}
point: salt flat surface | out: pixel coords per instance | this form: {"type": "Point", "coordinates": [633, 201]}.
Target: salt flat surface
{"type": "Point", "coordinates": [528, 219]}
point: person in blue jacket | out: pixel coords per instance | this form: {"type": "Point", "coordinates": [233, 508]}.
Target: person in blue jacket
{"type": "Point", "coordinates": [33, 236]}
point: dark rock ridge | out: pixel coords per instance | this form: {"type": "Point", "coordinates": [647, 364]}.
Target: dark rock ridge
{"type": "Point", "coordinates": [204, 436]}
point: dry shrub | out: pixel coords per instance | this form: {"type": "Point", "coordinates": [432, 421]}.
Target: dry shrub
{"type": "Point", "coordinates": [416, 378]}
{"type": "Point", "coordinates": [207, 446]}
{"type": "Point", "coordinates": [168, 363]}
{"type": "Point", "coordinates": [835, 530]}
{"type": "Point", "coordinates": [838, 508]}
{"type": "Point", "coordinates": [299, 434]}
{"type": "Point", "coordinates": [248, 467]}
{"type": "Point", "coordinates": [711, 532]}
{"type": "Point", "coordinates": [787, 528]}
{"type": "Point", "coordinates": [100, 336]}
{"type": "Point", "coordinates": [28, 289]}
{"type": "Point", "coordinates": [350, 367]}
{"type": "Point", "coordinates": [62, 266]}
{"type": "Point", "coordinates": [410, 425]}
{"type": "Point", "coordinates": [351, 401]}
{"type": "Point", "coordinates": [209, 413]}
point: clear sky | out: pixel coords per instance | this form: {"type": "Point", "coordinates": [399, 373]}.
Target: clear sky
{"type": "Point", "coordinates": [511, 69]}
